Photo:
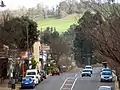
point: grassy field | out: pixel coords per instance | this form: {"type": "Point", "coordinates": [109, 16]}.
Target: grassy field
{"type": "Point", "coordinates": [60, 24]}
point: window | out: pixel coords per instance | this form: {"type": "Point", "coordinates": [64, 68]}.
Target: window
{"type": "Point", "coordinates": [86, 70]}
{"type": "Point", "coordinates": [106, 73]}
{"type": "Point", "coordinates": [31, 73]}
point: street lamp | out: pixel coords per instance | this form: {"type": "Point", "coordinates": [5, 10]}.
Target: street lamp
{"type": "Point", "coordinates": [2, 4]}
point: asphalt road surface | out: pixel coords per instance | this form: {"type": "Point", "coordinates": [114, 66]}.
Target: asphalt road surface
{"type": "Point", "coordinates": [72, 81]}
{"type": "Point", "coordinates": [91, 83]}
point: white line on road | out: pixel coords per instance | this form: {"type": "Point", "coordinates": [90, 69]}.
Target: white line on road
{"type": "Point", "coordinates": [74, 83]}
{"type": "Point", "coordinates": [64, 83]}
{"type": "Point", "coordinates": [75, 75]}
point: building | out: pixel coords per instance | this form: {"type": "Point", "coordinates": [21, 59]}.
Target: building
{"type": "Point", "coordinates": [36, 53]}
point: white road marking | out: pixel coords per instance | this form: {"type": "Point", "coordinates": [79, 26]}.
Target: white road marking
{"type": "Point", "coordinates": [75, 75]}
{"type": "Point", "coordinates": [74, 83]}
{"type": "Point", "coordinates": [64, 83]}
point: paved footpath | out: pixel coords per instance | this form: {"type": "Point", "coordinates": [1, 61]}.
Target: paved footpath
{"type": "Point", "coordinates": [4, 86]}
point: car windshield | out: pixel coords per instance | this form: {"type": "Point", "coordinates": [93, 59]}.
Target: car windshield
{"type": "Point", "coordinates": [31, 73]}
{"type": "Point", "coordinates": [106, 73]}
{"type": "Point", "coordinates": [106, 70]}
{"type": "Point", "coordinates": [103, 88]}
{"type": "Point", "coordinates": [86, 70]}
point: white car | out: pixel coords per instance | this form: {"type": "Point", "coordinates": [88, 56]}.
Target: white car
{"type": "Point", "coordinates": [106, 76]}
{"type": "Point", "coordinates": [105, 88]}
{"type": "Point", "coordinates": [35, 73]}
{"type": "Point", "coordinates": [86, 72]}
{"type": "Point", "coordinates": [89, 68]}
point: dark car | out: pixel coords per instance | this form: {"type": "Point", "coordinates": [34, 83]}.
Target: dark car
{"type": "Point", "coordinates": [55, 71]}
{"type": "Point", "coordinates": [27, 82]}
{"type": "Point", "coordinates": [43, 74]}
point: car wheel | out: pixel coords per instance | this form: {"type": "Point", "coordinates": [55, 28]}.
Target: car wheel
{"type": "Point", "coordinates": [89, 75]}
{"type": "Point", "coordinates": [33, 87]}
{"type": "Point", "coordinates": [82, 75]}
{"type": "Point", "coordinates": [45, 77]}
{"type": "Point", "coordinates": [42, 79]}
{"type": "Point", "coordinates": [101, 80]}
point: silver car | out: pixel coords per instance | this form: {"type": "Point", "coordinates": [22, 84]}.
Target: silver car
{"type": "Point", "coordinates": [106, 76]}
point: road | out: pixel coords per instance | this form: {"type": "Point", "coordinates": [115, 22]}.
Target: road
{"type": "Point", "coordinates": [72, 81]}
{"type": "Point", "coordinates": [90, 83]}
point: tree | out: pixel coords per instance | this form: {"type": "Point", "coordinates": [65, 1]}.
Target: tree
{"type": "Point", "coordinates": [34, 63]}
{"type": "Point", "coordinates": [102, 27]}
{"type": "Point", "coordinates": [63, 9]}
{"type": "Point", "coordinates": [58, 46]}
{"type": "Point", "coordinates": [14, 32]}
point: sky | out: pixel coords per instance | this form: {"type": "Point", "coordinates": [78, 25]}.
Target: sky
{"type": "Point", "coordinates": [14, 4]}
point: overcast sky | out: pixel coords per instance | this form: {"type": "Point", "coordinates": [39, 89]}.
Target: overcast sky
{"type": "Point", "coordinates": [13, 4]}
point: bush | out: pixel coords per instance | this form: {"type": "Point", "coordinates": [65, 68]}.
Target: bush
{"type": "Point", "coordinates": [34, 63]}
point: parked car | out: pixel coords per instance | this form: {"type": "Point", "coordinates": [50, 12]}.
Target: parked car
{"type": "Point", "coordinates": [35, 74]}
{"type": "Point", "coordinates": [27, 82]}
{"type": "Point", "coordinates": [86, 72]}
{"type": "Point", "coordinates": [36, 81]}
{"type": "Point", "coordinates": [106, 76]}
{"type": "Point", "coordinates": [43, 74]}
{"type": "Point", "coordinates": [88, 67]}
{"type": "Point", "coordinates": [55, 71]}
{"type": "Point", "coordinates": [105, 88]}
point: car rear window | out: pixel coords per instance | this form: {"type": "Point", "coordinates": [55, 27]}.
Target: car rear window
{"type": "Point", "coordinates": [27, 79]}
{"type": "Point", "coordinates": [86, 70]}
{"type": "Point", "coordinates": [89, 67]}
{"type": "Point", "coordinates": [31, 73]}
{"type": "Point", "coordinates": [31, 76]}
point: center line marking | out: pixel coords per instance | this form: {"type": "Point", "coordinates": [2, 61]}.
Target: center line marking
{"type": "Point", "coordinates": [74, 83]}
{"type": "Point", "coordinates": [75, 75]}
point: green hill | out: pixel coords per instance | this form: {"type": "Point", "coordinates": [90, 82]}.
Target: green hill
{"type": "Point", "coordinates": [60, 24]}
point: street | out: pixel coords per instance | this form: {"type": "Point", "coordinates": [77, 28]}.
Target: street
{"type": "Point", "coordinates": [72, 81]}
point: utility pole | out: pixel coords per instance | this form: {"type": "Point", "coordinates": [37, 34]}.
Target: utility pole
{"type": "Point", "coordinates": [27, 41]}
{"type": "Point", "coordinates": [88, 60]}
{"type": "Point", "coordinates": [27, 44]}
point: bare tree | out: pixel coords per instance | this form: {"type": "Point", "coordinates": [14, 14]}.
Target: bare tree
{"type": "Point", "coordinates": [103, 28]}
{"type": "Point", "coordinates": [58, 48]}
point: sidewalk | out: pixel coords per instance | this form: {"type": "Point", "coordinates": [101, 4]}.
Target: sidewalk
{"type": "Point", "coordinates": [4, 86]}
{"type": "Point", "coordinates": [116, 84]}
